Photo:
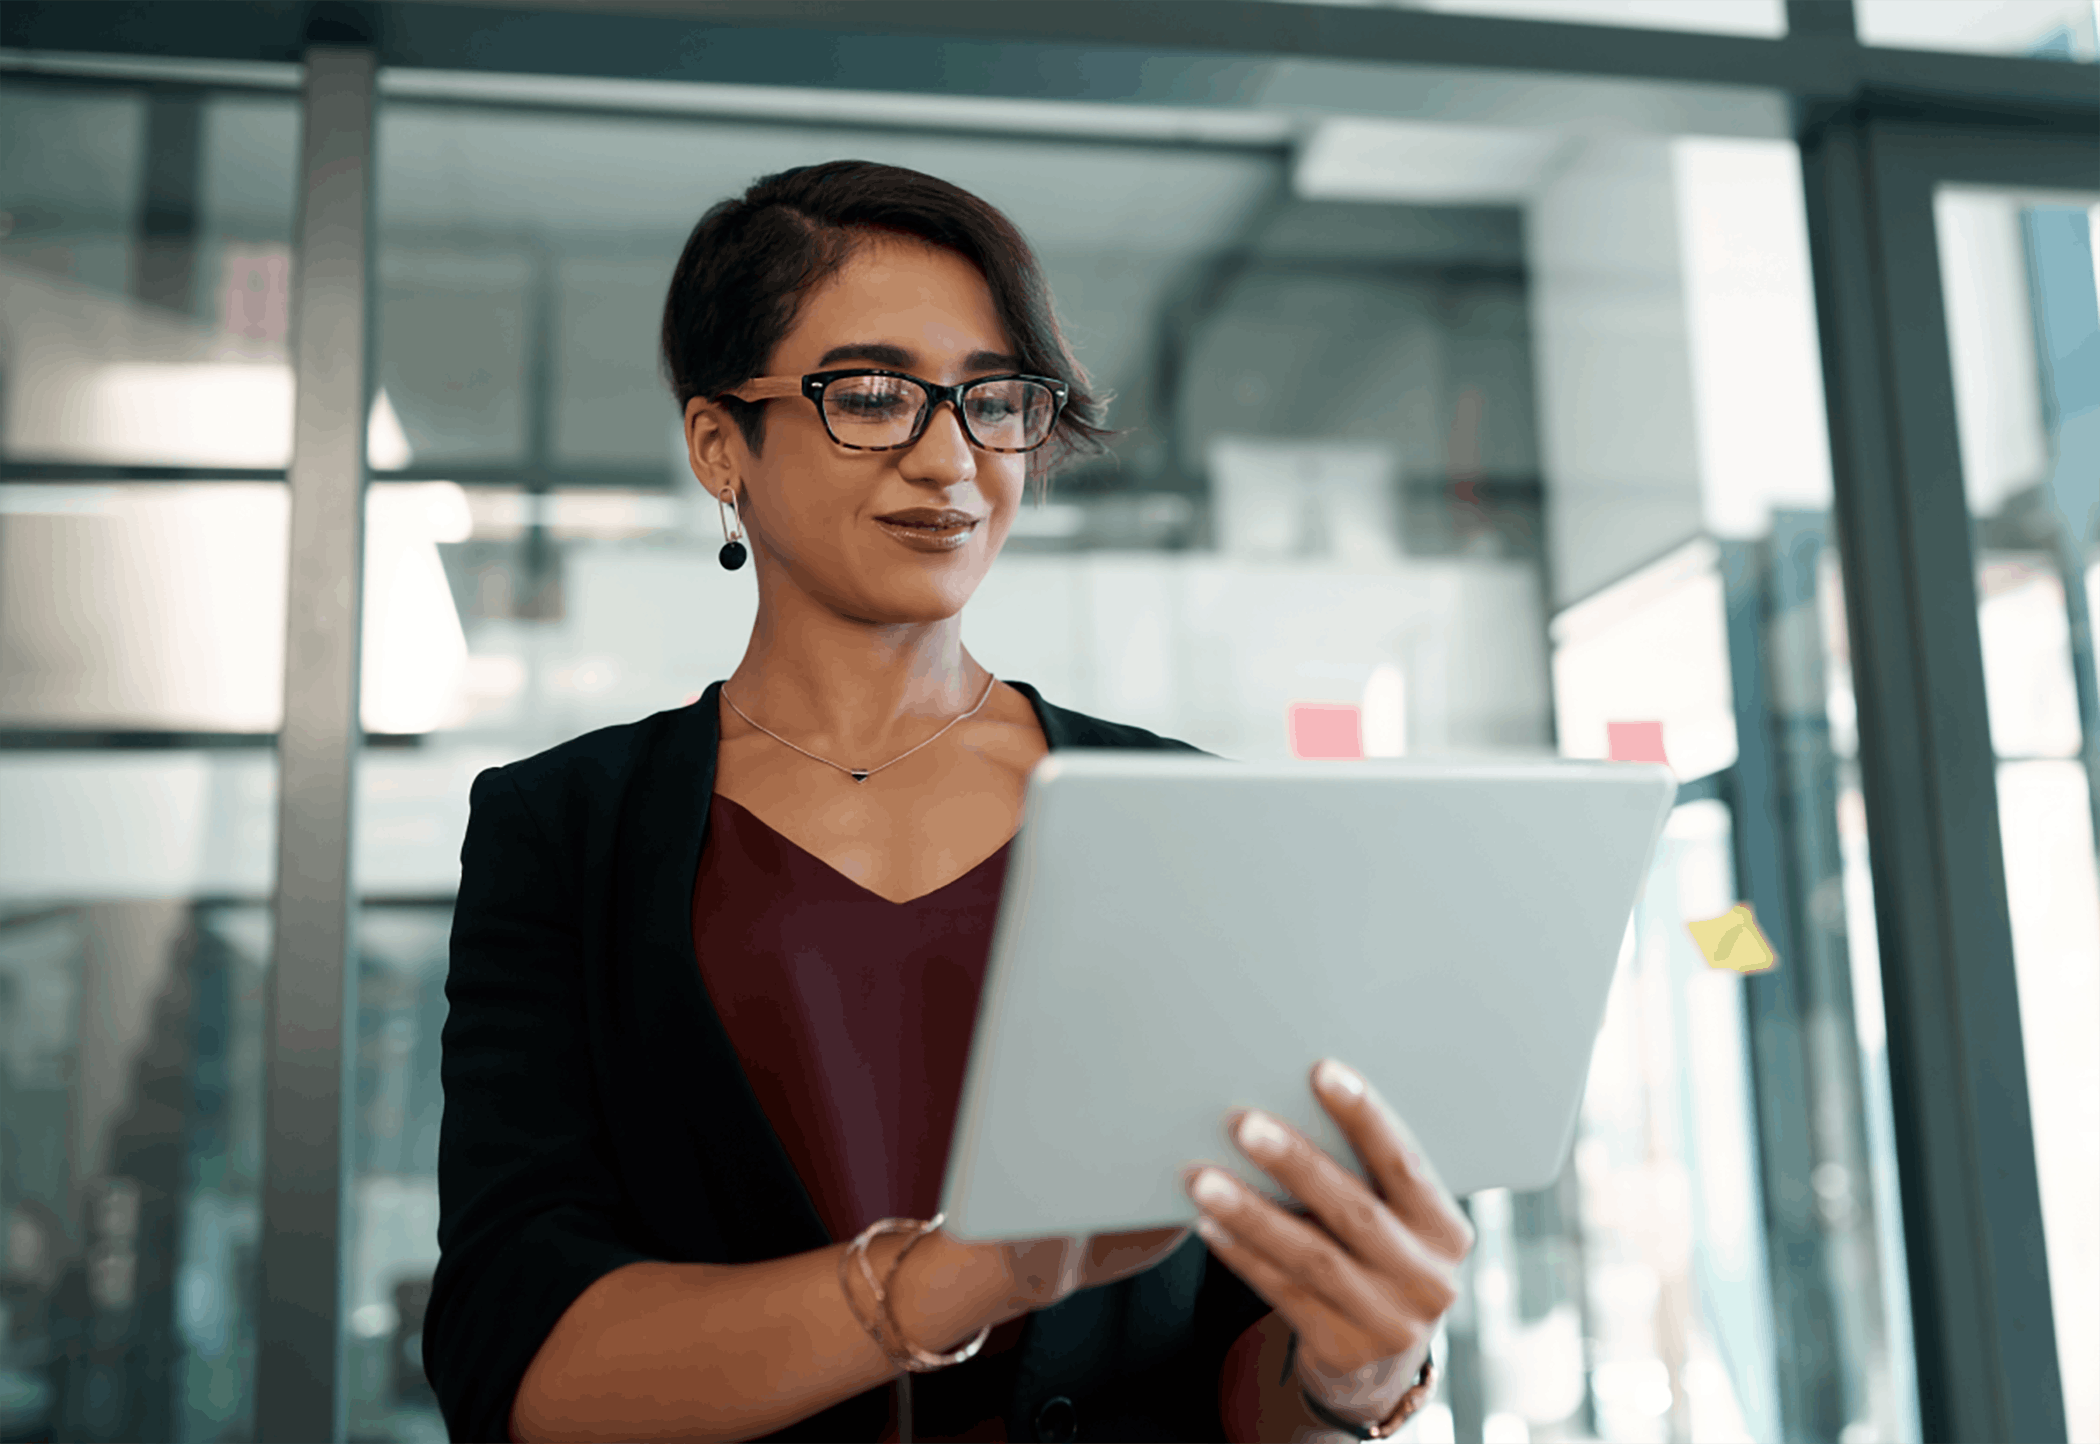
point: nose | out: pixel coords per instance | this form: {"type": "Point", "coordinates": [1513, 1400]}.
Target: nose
{"type": "Point", "coordinates": [942, 453]}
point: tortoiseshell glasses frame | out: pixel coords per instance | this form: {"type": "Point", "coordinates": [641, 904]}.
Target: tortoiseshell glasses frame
{"type": "Point", "coordinates": [1025, 407]}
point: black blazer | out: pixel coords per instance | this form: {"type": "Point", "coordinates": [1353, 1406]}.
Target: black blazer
{"type": "Point", "coordinates": [596, 1114]}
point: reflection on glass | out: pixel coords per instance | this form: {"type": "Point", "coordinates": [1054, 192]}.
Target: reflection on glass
{"type": "Point", "coordinates": [1723, 17]}
{"type": "Point", "coordinates": [145, 274]}
{"type": "Point", "coordinates": [2023, 319]}
{"type": "Point", "coordinates": [1673, 1112]}
{"type": "Point", "coordinates": [2043, 29]}
{"type": "Point", "coordinates": [1604, 664]}
{"type": "Point", "coordinates": [2027, 678]}
{"type": "Point", "coordinates": [144, 312]}
{"type": "Point", "coordinates": [1668, 1151]}
{"type": "Point", "coordinates": [1699, 579]}
{"type": "Point", "coordinates": [185, 584]}
{"type": "Point", "coordinates": [131, 1064]}
{"type": "Point", "coordinates": [188, 589]}
{"type": "Point", "coordinates": [391, 1250]}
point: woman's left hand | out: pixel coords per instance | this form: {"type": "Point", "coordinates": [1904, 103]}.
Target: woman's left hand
{"type": "Point", "coordinates": [1366, 1277]}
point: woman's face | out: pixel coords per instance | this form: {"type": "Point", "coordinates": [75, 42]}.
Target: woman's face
{"type": "Point", "coordinates": [812, 507]}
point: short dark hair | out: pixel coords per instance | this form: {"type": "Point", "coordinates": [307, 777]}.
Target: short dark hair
{"type": "Point", "coordinates": [740, 281]}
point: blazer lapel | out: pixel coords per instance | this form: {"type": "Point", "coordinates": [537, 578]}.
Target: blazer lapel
{"type": "Point", "coordinates": [719, 1186]}
{"type": "Point", "coordinates": [1056, 722]}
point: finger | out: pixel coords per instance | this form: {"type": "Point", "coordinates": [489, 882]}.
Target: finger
{"type": "Point", "coordinates": [1330, 1333]}
{"type": "Point", "coordinates": [1339, 1201]}
{"type": "Point", "coordinates": [1394, 1158]}
{"type": "Point", "coordinates": [1308, 1265]}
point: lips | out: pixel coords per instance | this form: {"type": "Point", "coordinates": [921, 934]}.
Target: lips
{"type": "Point", "coordinates": [934, 531]}
{"type": "Point", "coordinates": [930, 519]}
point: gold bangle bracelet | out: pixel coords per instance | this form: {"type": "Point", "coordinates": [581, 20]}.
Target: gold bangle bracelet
{"type": "Point", "coordinates": [914, 1358]}
{"type": "Point", "coordinates": [901, 1351]}
{"type": "Point", "coordinates": [857, 1252]}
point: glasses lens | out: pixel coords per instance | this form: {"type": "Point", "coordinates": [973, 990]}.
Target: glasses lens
{"type": "Point", "coordinates": [1011, 415]}
{"type": "Point", "coordinates": [873, 411]}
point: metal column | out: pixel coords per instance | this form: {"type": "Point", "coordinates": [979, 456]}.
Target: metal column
{"type": "Point", "coordinates": [298, 1378]}
{"type": "Point", "coordinates": [1979, 1285]}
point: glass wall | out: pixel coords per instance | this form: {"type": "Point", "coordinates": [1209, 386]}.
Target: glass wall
{"type": "Point", "coordinates": [1501, 429]}
{"type": "Point", "coordinates": [2024, 338]}
{"type": "Point", "coordinates": [1721, 17]}
{"type": "Point", "coordinates": [1507, 447]}
{"type": "Point", "coordinates": [144, 270]}
{"type": "Point", "coordinates": [147, 254]}
{"type": "Point", "coordinates": [2042, 29]}
{"type": "Point", "coordinates": [389, 1256]}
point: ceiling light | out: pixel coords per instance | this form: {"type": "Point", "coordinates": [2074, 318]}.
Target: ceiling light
{"type": "Point", "coordinates": [1418, 162]}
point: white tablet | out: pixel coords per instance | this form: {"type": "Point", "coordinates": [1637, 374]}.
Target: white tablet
{"type": "Point", "coordinates": [1183, 935]}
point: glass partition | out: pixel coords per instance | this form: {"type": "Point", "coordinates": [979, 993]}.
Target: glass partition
{"type": "Point", "coordinates": [2040, 29]}
{"type": "Point", "coordinates": [147, 261]}
{"type": "Point", "coordinates": [1508, 448]}
{"type": "Point", "coordinates": [144, 281]}
{"type": "Point", "coordinates": [132, 1131]}
{"type": "Point", "coordinates": [1719, 17]}
{"type": "Point", "coordinates": [390, 1254]}
{"type": "Point", "coordinates": [2024, 338]}
{"type": "Point", "coordinates": [1486, 433]}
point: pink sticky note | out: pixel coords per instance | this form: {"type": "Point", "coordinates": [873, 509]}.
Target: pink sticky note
{"type": "Point", "coordinates": [1326, 729]}
{"type": "Point", "coordinates": [1636, 741]}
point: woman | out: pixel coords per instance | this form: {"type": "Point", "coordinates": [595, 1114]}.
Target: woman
{"type": "Point", "coordinates": [713, 973]}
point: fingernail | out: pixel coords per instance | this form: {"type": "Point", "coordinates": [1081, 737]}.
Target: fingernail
{"type": "Point", "coordinates": [1262, 1135]}
{"type": "Point", "coordinates": [1212, 1189]}
{"type": "Point", "coordinates": [1338, 1078]}
{"type": "Point", "coordinates": [1212, 1233]}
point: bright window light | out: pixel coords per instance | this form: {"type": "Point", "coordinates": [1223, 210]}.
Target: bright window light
{"type": "Point", "coordinates": [1369, 159]}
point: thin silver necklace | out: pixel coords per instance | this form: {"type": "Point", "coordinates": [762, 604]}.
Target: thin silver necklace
{"type": "Point", "coordinates": [858, 774]}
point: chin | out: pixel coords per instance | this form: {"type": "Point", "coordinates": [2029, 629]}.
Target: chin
{"type": "Point", "coordinates": [904, 600]}
{"type": "Point", "coordinates": [930, 604]}
{"type": "Point", "coordinates": [907, 590]}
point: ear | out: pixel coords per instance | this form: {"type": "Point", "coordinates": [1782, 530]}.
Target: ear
{"type": "Point", "coordinates": [714, 447]}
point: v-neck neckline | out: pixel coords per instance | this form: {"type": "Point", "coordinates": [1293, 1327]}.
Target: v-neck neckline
{"type": "Point", "coordinates": [673, 1023]}
{"type": "Point", "coordinates": [856, 884]}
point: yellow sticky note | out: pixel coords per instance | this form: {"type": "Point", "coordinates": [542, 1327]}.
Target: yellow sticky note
{"type": "Point", "coordinates": [1735, 941]}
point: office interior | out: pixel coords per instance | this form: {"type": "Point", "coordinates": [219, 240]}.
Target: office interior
{"type": "Point", "coordinates": [1505, 369]}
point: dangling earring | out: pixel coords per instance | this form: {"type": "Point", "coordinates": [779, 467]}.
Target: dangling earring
{"type": "Point", "coordinates": [733, 552]}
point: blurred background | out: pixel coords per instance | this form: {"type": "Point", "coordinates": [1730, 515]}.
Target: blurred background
{"type": "Point", "coordinates": [1476, 363]}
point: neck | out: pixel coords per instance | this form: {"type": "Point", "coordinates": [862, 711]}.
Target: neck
{"type": "Point", "coordinates": [852, 687]}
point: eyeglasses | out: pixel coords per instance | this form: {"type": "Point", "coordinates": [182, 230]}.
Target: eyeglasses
{"type": "Point", "coordinates": [888, 410]}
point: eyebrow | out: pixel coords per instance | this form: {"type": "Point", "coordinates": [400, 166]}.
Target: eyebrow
{"type": "Point", "coordinates": [896, 357]}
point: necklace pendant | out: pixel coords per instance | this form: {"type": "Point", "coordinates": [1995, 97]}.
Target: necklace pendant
{"type": "Point", "coordinates": [858, 776]}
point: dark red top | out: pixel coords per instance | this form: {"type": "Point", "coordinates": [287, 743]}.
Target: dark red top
{"type": "Point", "coordinates": [851, 1015]}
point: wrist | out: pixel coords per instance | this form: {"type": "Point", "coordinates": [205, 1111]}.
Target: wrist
{"type": "Point", "coordinates": [1367, 1395]}
{"type": "Point", "coordinates": [944, 1292]}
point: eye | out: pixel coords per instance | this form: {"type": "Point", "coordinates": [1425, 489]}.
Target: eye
{"type": "Point", "coordinates": [992, 406]}
{"type": "Point", "coordinates": [872, 398]}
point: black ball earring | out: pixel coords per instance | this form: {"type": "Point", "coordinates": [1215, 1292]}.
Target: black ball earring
{"type": "Point", "coordinates": [733, 552]}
